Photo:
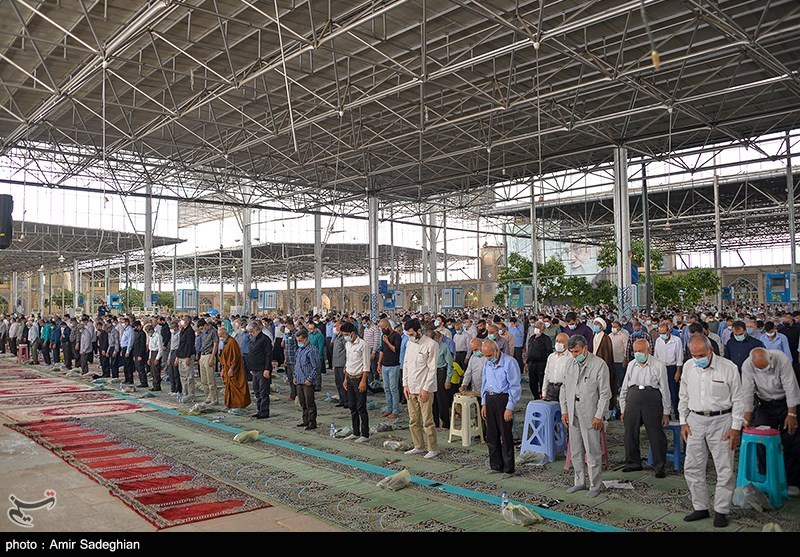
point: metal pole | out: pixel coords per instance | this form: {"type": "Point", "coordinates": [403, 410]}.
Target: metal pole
{"type": "Point", "coordinates": [41, 292]}
{"type": "Point", "coordinates": [434, 265]}
{"type": "Point", "coordinates": [247, 264]}
{"type": "Point", "coordinates": [288, 289]}
{"type": "Point", "coordinates": [444, 245]}
{"type": "Point", "coordinates": [622, 230]}
{"type": "Point", "coordinates": [106, 283]}
{"type": "Point", "coordinates": [373, 257]}
{"type": "Point", "coordinates": [648, 284]}
{"type": "Point", "coordinates": [790, 204]}
{"type": "Point", "coordinates": [341, 288]}
{"type": "Point", "coordinates": [148, 246]}
{"type": "Point", "coordinates": [50, 293]}
{"type": "Point", "coordinates": [174, 277]}
{"type": "Point", "coordinates": [393, 263]}
{"type": "Point", "coordinates": [76, 283]}
{"type": "Point", "coordinates": [717, 234]}
{"type": "Point", "coordinates": [426, 300]}
{"type": "Point", "coordinates": [296, 296]}
{"type": "Point", "coordinates": [534, 252]}
{"type": "Point", "coordinates": [221, 284]}
{"type": "Point", "coordinates": [317, 263]}
{"type": "Point", "coordinates": [478, 258]}
{"type": "Point", "coordinates": [90, 294]}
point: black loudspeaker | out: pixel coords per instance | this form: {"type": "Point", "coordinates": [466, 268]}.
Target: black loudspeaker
{"type": "Point", "coordinates": [6, 224]}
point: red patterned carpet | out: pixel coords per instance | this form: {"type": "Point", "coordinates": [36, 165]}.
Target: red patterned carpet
{"type": "Point", "coordinates": [162, 490]}
{"type": "Point", "coordinates": [79, 397]}
{"type": "Point", "coordinates": [59, 411]}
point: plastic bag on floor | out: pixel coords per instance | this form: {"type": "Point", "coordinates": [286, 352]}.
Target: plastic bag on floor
{"type": "Point", "coordinates": [772, 527]}
{"type": "Point", "coordinates": [197, 409]}
{"type": "Point", "coordinates": [393, 445]}
{"type": "Point", "coordinates": [532, 458]}
{"type": "Point", "coordinates": [372, 405]}
{"type": "Point", "coordinates": [521, 515]}
{"type": "Point", "coordinates": [375, 386]}
{"type": "Point", "coordinates": [147, 394]}
{"type": "Point", "coordinates": [750, 497]}
{"type": "Point", "coordinates": [397, 481]}
{"type": "Point", "coordinates": [246, 436]}
{"type": "Point", "coordinates": [385, 426]}
{"type": "Point", "coordinates": [343, 432]}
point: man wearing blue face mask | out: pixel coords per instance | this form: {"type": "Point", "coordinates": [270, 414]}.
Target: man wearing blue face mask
{"type": "Point", "coordinates": [307, 368]}
{"type": "Point", "coordinates": [741, 344]}
{"type": "Point", "coordinates": [644, 399]}
{"type": "Point", "coordinates": [668, 350]}
{"type": "Point", "coordinates": [712, 413]}
{"type": "Point", "coordinates": [584, 399]}
{"type": "Point", "coordinates": [500, 392]}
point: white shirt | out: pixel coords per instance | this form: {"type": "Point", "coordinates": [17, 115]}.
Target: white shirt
{"type": "Point", "coordinates": [774, 383]}
{"type": "Point", "coordinates": [357, 361]}
{"type": "Point", "coordinates": [652, 373]}
{"type": "Point", "coordinates": [462, 341]}
{"type": "Point", "coordinates": [473, 376]}
{"type": "Point", "coordinates": [13, 329]}
{"type": "Point", "coordinates": [619, 343]}
{"type": "Point", "coordinates": [715, 388]}
{"type": "Point", "coordinates": [155, 343]}
{"type": "Point", "coordinates": [715, 337]}
{"type": "Point", "coordinates": [554, 369]}
{"type": "Point", "coordinates": [669, 352]}
{"type": "Point", "coordinates": [419, 365]}
{"type": "Point", "coordinates": [33, 332]}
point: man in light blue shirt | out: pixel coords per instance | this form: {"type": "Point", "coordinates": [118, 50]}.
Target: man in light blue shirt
{"type": "Point", "coordinates": [500, 392]}
{"type": "Point", "coordinates": [517, 331]}
{"type": "Point", "coordinates": [126, 340]}
{"type": "Point", "coordinates": [773, 340]}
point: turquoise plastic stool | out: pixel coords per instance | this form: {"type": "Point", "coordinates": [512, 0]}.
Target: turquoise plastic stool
{"type": "Point", "coordinates": [678, 453]}
{"type": "Point", "coordinates": [773, 482]}
{"type": "Point", "coordinates": [543, 431]}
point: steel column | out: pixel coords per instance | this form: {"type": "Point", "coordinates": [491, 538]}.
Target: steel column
{"type": "Point", "coordinates": [433, 267]}
{"type": "Point", "coordinates": [373, 257]}
{"type": "Point", "coordinates": [534, 252]}
{"type": "Point", "coordinates": [148, 246]}
{"type": "Point", "coordinates": [174, 277]}
{"type": "Point", "coordinates": [247, 265]}
{"type": "Point", "coordinates": [622, 230]}
{"type": "Point", "coordinates": [41, 292]}
{"type": "Point", "coordinates": [76, 285]}
{"type": "Point", "coordinates": [426, 301]}
{"type": "Point", "coordinates": [648, 295]}
{"type": "Point", "coordinates": [317, 263]}
{"type": "Point", "coordinates": [444, 245]}
{"type": "Point", "coordinates": [790, 203]}
{"type": "Point", "coordinates": [717, 235]}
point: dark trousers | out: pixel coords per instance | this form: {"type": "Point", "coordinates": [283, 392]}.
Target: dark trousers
{"type": "Point", "coordinates": [338, 377]}
{"type": "Point", "coordinates": [247, 373]}
{"type": "Point", "coordinates": [619, 371]}
{"type": "Point", "coordinates": [400, 388]}
{"type": "Point", "coordinates": [290, 377]}
{"type": "Point", "coordinates": [174, 373]}
{"type": "Point", "coordinates": [68, 355]}
{"type": "Point", "coordinates": [518, 357]}
{"type": "Point", "coordinates": [643, 407]}
{"type": "Point", "coordinates": [105, 364]}
{"type": "Point", "coordinates": [155, 368]}
{"type": "Point", "coordinates": [329, 351]}
{"type": "Point", "coordinates": [773, 414]}
{"type": "Point", "coordinates": [373, 370]}
{"type": "Point", "coordinates": [536, 374]}
{"type": "Point", "coordinates": [128, 367]}
{"type": "Point", "coordinates": [442, 400]}
{"type": "Point", "coordinates": [674, 387]}
{"type": "Point", "coordinates": [3, 339]}
{"type": "Point", "coordinates": [113, 365]}
{"type": "Point", "coordinates": [34, 349]}
{"type": "Point", "coordinates": [358, 407]}
{"type": "Point", "coordinates": [85, 362]}
{"type": "Point", "coordinates": [57, 354]}
{"type": "Point", "coordinates": [499, 435]}
{"type": "Point", "coordinates": [12, 345]}
{"type": "Point", "coordinates": [261, 386]}
{"type": "Point", "coordinates": [46, 353]}
{"type": "Point", "coordinates": [461, 358]}
{"type": "Point", "coordinates": [308, 404]}
{"type": "Point", "coordinates": [141, 368]}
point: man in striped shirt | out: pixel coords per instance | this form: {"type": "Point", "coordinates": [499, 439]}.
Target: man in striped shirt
{"type": "Point", "coordinates": [372, 336]}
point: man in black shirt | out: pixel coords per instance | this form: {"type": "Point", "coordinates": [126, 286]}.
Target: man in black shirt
{"type": "Point", "coordinates": [483, 332]}
{"type": "Point", "coordinates": [539, 348]}
{"type": "Point", "coordinates": [185, 356]}
{"type": "Point", "coordinates": [791, 329]}
{"type": "Point", "coordinates": [102, 345]}
{"type": "Point", "coordinates": [389, 368]}
{"type": "Point", "coordinates": [259, 359]}
{"type": "Point", "coordinates": [139, 352]}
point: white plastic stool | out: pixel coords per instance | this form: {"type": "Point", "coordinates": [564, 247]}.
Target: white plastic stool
{"type": "Point", "coordinates": [470, 426]}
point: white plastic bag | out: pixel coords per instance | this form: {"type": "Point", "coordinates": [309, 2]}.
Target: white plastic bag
{"type": "Point", "coordinates": [397, 481]}
{"type": "Point", "coordinates": [750, 497]}
{"type": "Point", "coordinates": [519, 514]}
{"type": "Point", "coordinates": [246, 436]}
{"type": "Point", "coordinates": [393, 445]}
{"type": "Point", "coordinates": [530, 457]}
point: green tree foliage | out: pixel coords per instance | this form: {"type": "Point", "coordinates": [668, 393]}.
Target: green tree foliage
{"type": "Point", "coordinates": [608, 255]}
{"type": "Point", "coordinates": [695, 284]}
{"type": "Point", "coordinates": [519, 269]}
{"type": "Point", "coordinates": [62, 294]}
{"type": "Point", "coordinates": [605, 292]}
{"type": "Point", "coordinates": [550, 275]}
{"type": "Point", "coordinates": [577, 290]}
{"type": "Point", "coordinates": [500, 299]}
{"type": "Point", "coordinates": [131, 298]}
{"type": "Point", "coordinates": [166, 299]}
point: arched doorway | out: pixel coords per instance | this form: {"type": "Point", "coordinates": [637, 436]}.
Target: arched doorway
{"type": "Point", "coordinates": [414, 300]}
{"type": "Point", "coordinates": [205, 305]}
{"type": "Point", "coordinates": [365, 303]}
{"type": "Point", "coordinates": [326, 302]}
{"type": "Point", "coordinates": [306, 305]}
{"type": "Point", "coordinates": [347, 304]}
{"type": "Point", "coordinates": [471, 298]}
{"type": "Point", "coordinates": [745, 292]}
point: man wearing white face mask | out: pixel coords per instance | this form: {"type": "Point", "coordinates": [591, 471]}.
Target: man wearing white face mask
{"type": "Point", "coordinates": [668, 349]}
{"type": "Point", "coordinates": [419, 386]}
{"type": "Point", "coordinates": [619, 343]}
{"type": "Point", "coordinates": [186, 355]}
{"type": "Point", "coordinates": [644, 400]}
{"type": "Point", "coordinates": [549, 330]}
{"type": "Point", "coordinates": [712, 413]}
{"type": "Point", "coordinates": [439, 323]}
{"type": "Point", "coordinates": [584, 402]}
{"type": "Point", "coordinates": [356, 372]}
{"type": "Point", "coordinates": [554, 370]}
{"type": "Point", "coordinates": [539, 349]}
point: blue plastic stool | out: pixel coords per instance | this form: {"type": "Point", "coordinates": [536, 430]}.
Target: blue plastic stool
{"type": "Point", "coordinates": [773, 483]}
{"type": "Point", "coordinates": [678, 453]}
{"type": "Point", "coordinates": [543, 431]}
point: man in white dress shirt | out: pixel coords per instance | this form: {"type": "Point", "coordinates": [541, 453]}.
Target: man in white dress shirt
{"type": "Point", "coordinates": [669, 350]}
{"type": "Point", "coordinates": [419, 386]}
{"type": "Point", "coordinates": [644, 400]}
{"type": "Point", "coordinates": [554, 369]}
{"type": "Point", "coordinates": [712, 412]}
{"type": "Point", "coordinates": [769, 380]}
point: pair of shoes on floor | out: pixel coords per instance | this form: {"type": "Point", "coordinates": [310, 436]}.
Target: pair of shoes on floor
{"type": "Point", "coordinates": [351, 437]}
{"type": "Point", "coordinates": [310, 427]}
{"type": "Point", "coordinates": [361, 439]}
{"type": "Point", "coordinates": [414, 451]}
{"type": "Point", "coordinates": [720, 520]}
{"type": "Point", "coordinates": [630, 468]}
{"type": "Point", "coordinates": [259, 416]}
